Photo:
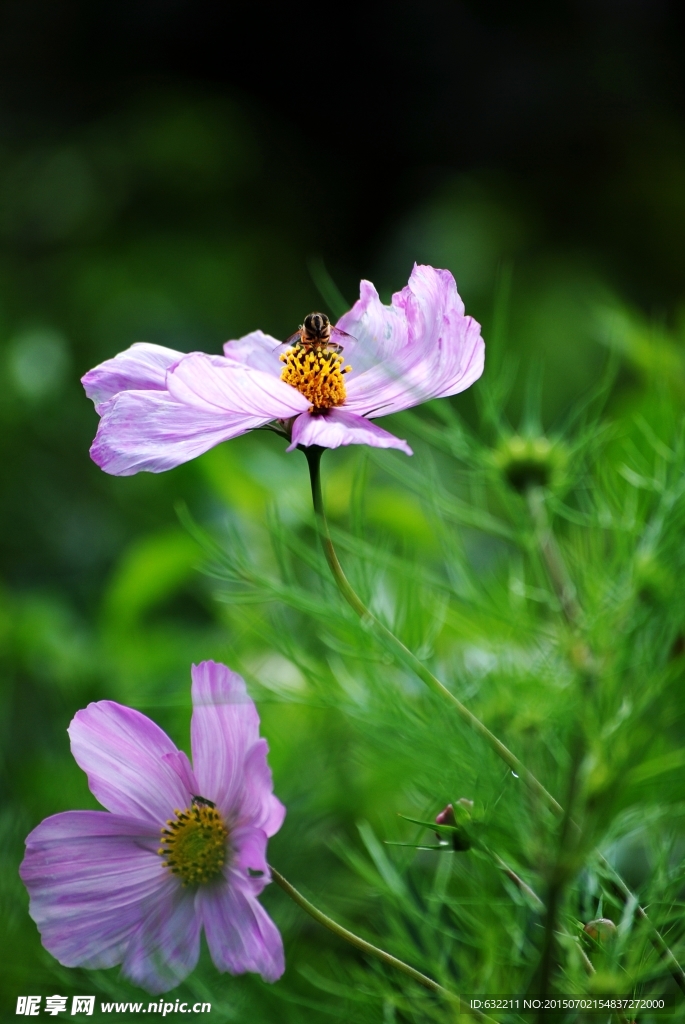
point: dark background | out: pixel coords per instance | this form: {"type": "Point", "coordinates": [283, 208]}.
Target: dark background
{"type": "Point", "coordinates": [575, 107]}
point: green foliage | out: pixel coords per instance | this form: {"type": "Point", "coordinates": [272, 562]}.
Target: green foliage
{"type": "Point", "coordinates": [552, 608]}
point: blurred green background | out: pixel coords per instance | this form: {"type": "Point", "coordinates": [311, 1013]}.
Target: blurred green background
{"type": "Point", "coordinates": [176, 205]}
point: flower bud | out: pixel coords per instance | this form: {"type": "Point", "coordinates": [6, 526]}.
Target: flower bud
{"type": "Point", "coordinates": [654, 582]}
{"type": "Point", "coordinates": [601, 930]}
{"type": "Point", "coordinates": [446, 817]}
{"type": "Point", "coordinates": [458, 835]}
{"type": "Point", "coordinates": [530, 461]}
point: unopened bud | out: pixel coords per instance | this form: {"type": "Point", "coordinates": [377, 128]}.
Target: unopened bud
{"type": "Point", "coordinates": [446, 817]}
{"type": "Point", "coordinates": [458, 836]}
{"type": "Point", "coordinates": [654, 582]}
{"type": "Point", "coordinates": [602, 929]}
{"type": "Point", "coordinates": [530, 461]}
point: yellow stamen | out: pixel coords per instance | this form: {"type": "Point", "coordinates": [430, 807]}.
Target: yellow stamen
{"type": "Point", "coordinates": [194, 844]}
{"type": "Point", "coordinates": [316, 373]}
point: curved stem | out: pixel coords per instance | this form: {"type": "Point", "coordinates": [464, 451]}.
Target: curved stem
{"type": "Point", "coordinates": [656, 937]}
{"type": "Point", "coordinates": [403, 654]}
{"type": "Point", "coordinates": [566, 595]}
{"type": "Point", "coordinates": [565, 592]}
{"type": "Point", "coordinates": [562, 583]}
{"type": "Point", "coordinates": [522, 886]}
{"type": "Point", "coordinates": [371, 950]}
{"type": "Point", "coordinates": [356, 940]}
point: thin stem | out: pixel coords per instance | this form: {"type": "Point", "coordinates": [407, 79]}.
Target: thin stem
{"type": "Point", "coordinates": [537, 903]}
{"type": "Point", "coordinates": [403, 654]}
{"type": "Point", "coordinates": [656, 937]}
{"type": "Point", "coordinates": [516, 879]}
{"type": "Point", "coordinates": [566, 594]}
{"type": "Point", "coordinates": [556, 567]}
{"type": "Point", "coordinates": [367, 947]}
{"type": "Point", "coordinates": [559, 876]}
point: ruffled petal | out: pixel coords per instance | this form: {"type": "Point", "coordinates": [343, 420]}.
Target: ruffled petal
{"type": "Point", "coordinates": [240, 934]}
{"type": "Point", "coordinates": [142, 367]}
{"type": "Point", "coordinates": [258, 350]}
{"type": "Point", "coordinates": [122, 753]}
{"type": "Point", "coordinates": [91, 877]}
{"type": "Point", "coordinates": [221, 385]}
{"type": "Point", "coordinates": [258, 806]}
{"type": "Point", "coordinates": [379, 331]}
{"type": "Point", "coordinates": [249, 858]}
{"type": "Point", "coordinates": [414, 378]}
{"type": "Point", "coordinates": [224, 727]}
{"type": "Point", "coordinates": [420, 347]}
{"type": "Point", "coordinates": [148, 430]}
{"type": "Point", "coordinates": [178, 760]}
{"type": "Point", "coordinates": [165, 947]}
{"type": "Point", "coordinates": [339, 427]}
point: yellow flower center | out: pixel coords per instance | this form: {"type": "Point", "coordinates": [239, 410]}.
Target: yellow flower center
{"type": "Point", "coordinates": [194, 844]}
{"type": "Point", "coordinates": [317, 373]}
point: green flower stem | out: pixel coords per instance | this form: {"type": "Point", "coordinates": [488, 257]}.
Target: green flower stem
{"type": "Point", "coordinates": [568, 834]}
{"type": "Point", "coordinates": [656, 937]}
{"type": "Point", "coordinates": [552, 557]}
{"type": "Point", "coordinates": [403, 654]}
{"type": "Point", "coordinates": [522, 886]}
{"type": "Point", "coordinates": [371, 950]}
{"type": "Point", "coordinates": [537, 903]}
{"type": "Point", "coordinates": [566, 594]}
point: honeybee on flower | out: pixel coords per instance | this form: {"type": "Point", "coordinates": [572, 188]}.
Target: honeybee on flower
{"type": "Point", "coordinates": [160, 408]}
{"type": "Point", "coordinates": [316, 333]}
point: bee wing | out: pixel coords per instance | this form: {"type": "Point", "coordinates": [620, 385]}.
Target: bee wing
{"type": "Point", "coordinates": [293, 337]}
{"type": "Point", "coordinates": [341, 337]}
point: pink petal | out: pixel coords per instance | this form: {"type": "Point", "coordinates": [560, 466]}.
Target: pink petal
{"type": "Point", "coordinates": [165, 947]}
{"type": "Point", "coordinates": [258, 350]}
{"type": "Point", "coordinates": [258, 805]}
{"type": "Point", "coordinates": [415, 378]}
{"type": "Point", "coordinates": [148, 430]}
{"type": "Point", "coordinates": [240, 934]}
{"type": "Point", "coordinates": [420, 347]}
{"type": "Point", "coordinates": [178, 760]}
{"type": "Point", "coordinates": [224, 727]}
{"type": "Point", "coordinates": [91, 877]}
{"type": "Point", "coordinates": [122, 752]}
{"type": "Point", "coordinates": [380, 332]}
{"type": "Point", "coordinates": [340, 427]}
{"type": "Point", "coordinates": [249, 855]}
{"type": "Point", "coordinates": [216, 384]}
{"type": "Point", "coordinates": [142, 367]}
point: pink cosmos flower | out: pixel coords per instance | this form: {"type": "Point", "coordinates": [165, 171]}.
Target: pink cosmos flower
{"type": "Point", "coordinates": [179, 848]}
{"type": "Point", "coordinates": [160, 408]}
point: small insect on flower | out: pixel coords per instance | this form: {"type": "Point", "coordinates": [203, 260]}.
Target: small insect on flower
{"type": "Point", "coordinates": [136, 884]}
{"type": "Point", "coordinates": [316, 332]}
{"type": "Point", "coordinates": [314, 365]}
{"type": "Point", "coordinates": [160, 408]}
{"type": "Point", "coordinates": [200, 801]}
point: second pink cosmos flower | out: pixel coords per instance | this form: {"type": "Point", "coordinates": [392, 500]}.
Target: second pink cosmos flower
{"type": "Point", "coordinates": [160, 408]}
{"type": "Point", "coordinates": [180, 847]}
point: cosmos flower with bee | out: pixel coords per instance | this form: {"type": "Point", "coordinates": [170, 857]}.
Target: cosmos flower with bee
{"type": "Point", "coordinates": [325, 385]}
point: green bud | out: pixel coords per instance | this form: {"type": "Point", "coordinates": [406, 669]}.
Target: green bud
{"type": "Point", "coordinates": [601, 930]}
{"type": "Point", "coordinates": [654, 582]}
{"type": "Point", "coordinates": [458, 835]}
{"type": "Point", "coordinates": [530, 461]}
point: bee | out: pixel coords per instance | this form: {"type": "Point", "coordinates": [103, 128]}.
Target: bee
{"type": "Point", "coordinates": [201, 801]}
{"type": "Point", "coordinates": [317, 333]}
